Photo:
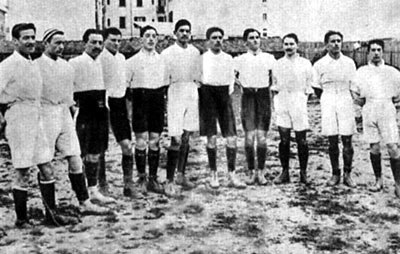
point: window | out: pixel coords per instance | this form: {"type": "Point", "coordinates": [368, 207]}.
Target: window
{"type": "Point", "coordinates": [108, 22]}
{"type": "Point", "coordinates": [122, 3]}
{"type": "Point", "coordinates": [265, 16]}
{"type": "Point", "coordinates": [152, 2]}
{"type": "Point", "coordinates": [108, 2]}
{"type": "Point", "coordinates": [171, 16]}
{"type": "Point", "coordinates": [139, 3]}
{"type": "Point", "coordinates": [122, 22]}
{"type": "Point", "coordinates": [264, 1]}
{"type": "Point", "coordinates": [139, 19]}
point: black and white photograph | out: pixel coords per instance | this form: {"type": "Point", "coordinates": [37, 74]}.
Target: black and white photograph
{"type": "Point", "coordinates": [199, 126]}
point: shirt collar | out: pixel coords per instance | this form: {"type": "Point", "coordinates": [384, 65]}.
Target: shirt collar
{"type": "Point", "coordinates": [147, 53]}
{"type": "Point", "coordinates": [89, 58]}
{"type": "Point", "coordinates": [382, 63]}
{"type": "Point", "coordinates": [18, 55]}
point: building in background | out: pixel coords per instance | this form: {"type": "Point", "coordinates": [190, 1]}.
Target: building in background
{"type": "Point", "coordinates": [3, 12]}
{"type": "Point", "coordinates": [73, 17]}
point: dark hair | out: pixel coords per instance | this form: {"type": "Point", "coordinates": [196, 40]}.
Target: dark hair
{"type": "Point", "coordinates": [21, 27]}
{"type": "Point", "coordinates": [330, 33]}
{"type": "Point", "coordinates": [182, 22]}
{"type": "Point", "coordinates": [212, 30]}
{"type": "Point", "coordinates": [376, 41]}
{"type": "Point", "coordinates": [144, 29]}
{"type": "Point", "coordinates": [90, 31]}
{"type": "Point", "coordinates": [111, 30]}
{"type": "Point", "coordinates": [291, 35]}
{"type": "Point", "coordinates": [248, 31]}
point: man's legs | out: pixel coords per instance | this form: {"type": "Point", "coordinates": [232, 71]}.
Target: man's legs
{"type": "Point", "coordinates": [348, 153]}
{"type": "Point", "coordinates": [375, 156]}
{"type": "Point", "coordinates": [212, 160]}
{"type": "Point", "coordinates": [20, 194]}
{"type": "Point", "coordinates": [231, 151]}
{"type": "Point", "coordinates": [284, 154]}
{"type": "Point", "coordinates": [261, 155]}
{"type": "Point", "coordinates": [172, 161]}
{"type": "Point", "coordinates": [127, 168]}
{"type": "Point", "coordinates": [181, 178]}
{"type": "Point", "coordinates": [92, 164]}
{"type": "Point", "coordinates": [302, 150]}
{"type": "Point", "coordinates": [250, 156]}
{"type": "Point", "coordinates": [140, 158]}
{"type": "Point", "coordinates": [78, 184]}
{"type": "Point", "coordinates": [334, 158]}
{"type": "Point", "coordinates": [153, 160]}
{"type": "Point", "coordinates": [394, 154]}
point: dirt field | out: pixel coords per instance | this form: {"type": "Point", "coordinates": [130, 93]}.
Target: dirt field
{"type": "Point", "coordinates": [273, 219]}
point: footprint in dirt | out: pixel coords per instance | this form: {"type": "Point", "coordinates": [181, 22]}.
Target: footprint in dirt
{"type": "Point", "coordinates": [152, 234]}
{"type": "Point", "coordinates": [154, 213]}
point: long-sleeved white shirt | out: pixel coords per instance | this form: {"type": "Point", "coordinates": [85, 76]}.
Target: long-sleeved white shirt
{"type": "Point", "coordinates": [88, 73]}
{"type": "Point", "coordinates": [218, 69]}
{"type": "Point", "coordinates": [20, 80]}
{"type": "Point", "coordinates": [146, 70]}
{"type": "Point", "coordinates": [254, 69]}
{"type": "Point", "coordinates": [182, 64]}
{"type": "Point", "coordinates": [334, 75]}
{"type": "Point", "coordinates": [293, 75]}
{"type": "Point", "coordinates": [58, 78]}
{"type": "Point", "coordinates": [114, 73]}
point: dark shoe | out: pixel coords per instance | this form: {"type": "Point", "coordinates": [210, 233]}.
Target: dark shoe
{"type": "Point", "coordinates": [142, 183]}
{"type": "Point", "coordinates": [348, 181]}
{"type": "Point", "coordinates": [283, 178]}
{"type": "Point", "coordinates": [130, 191]}
{"type": "Point", "coordinates": [154, 186]}
{"type": "Point", "coordinates": [335, 180]}
{"type": "Point", "coordinates": [183, 181]}
{"type": "Point", "coordinates": [58, 220]}
{"type": "Point", "coordinates": [303, 177]}
{"type": "Point", "coordinates": [378, 186]}
{"type": "Point", "coordinates": [252, 178]}
{"type": "Point", "coordinates": [23, 224]}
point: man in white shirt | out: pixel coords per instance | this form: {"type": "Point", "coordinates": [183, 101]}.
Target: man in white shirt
{"type": "Point", "coordinates": [56, 98]}
{"type": "Point", "coordinates": [215, 104]}
{"type": "Point", "coordinates": [183, 70]}
{"type": "Point", "coordinates": [376, 89]}
{"type": "Point", "coordinates": [92, 119]}
{"type": "Point", "coordinates": [293, 78]}
{"type": "Point", "coordinates": [146, 78]}
{"type": "Point", "coordinates": [335, 72]}
{"type": "Point", "coordinates": [20, 88]}
{"type": "Point", "coordinates": [254, 70]}
{"type": "Point", "coordinates": [114, 74]}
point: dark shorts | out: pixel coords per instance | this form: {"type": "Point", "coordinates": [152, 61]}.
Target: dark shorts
{"type": "Point", "coordinates": [216, 104]}
{"type": "Point", "coordinates": [92, 121]}
{"type": "Point", "coordinates": [256, 109]}
{"type": "Point", "coordinates": [148, 109]}
{"type": "Point", "coordinates": [119, 118]}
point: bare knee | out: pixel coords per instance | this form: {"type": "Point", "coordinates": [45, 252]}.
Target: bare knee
{"type": "Point", "coordinates": [46, 172]}
{"type": "Point", "coordinates": [93, 158]}
{"type": "Point", "coordinates": [175, 143]}
{"type": "Point", "coordinates": [126, 147]}
{"type": "Point", "coordinates": [74, 164]}
{"type": "Point", "coordinates": [375, 148]}
{"type": "Point", "coordinates": [393, 150]}
{"type": "Point", "coordinates": [261, 138]}
{"type": "Point", "coordinates": [249, 140]}
{"type": "Point", "coordinates": [21, 180]}
{"type": "Point", "coordinates": [154, 141]}
{"type": "Point", "coordinates": [212, 142]}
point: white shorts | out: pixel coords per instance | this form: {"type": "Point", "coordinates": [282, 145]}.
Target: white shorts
{"type": "Point", "coordinates": [26, 136]}
{"type": "Point", "coordinates": [337, 114]}
{"type": "Point", "coordinates": [291, 110]}
{"type": "Point", "coordinates": [60, 130]}
{"type": "Point", "coordinates": [183, 108]}
{"type": "Point", "coordinates": [379, 122]}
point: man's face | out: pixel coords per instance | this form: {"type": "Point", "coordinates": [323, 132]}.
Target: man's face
{"type": "Point", "coordinates": [215, 41]}
{"type": "Point", "coordinates": [150, 40]}
{"type": "Point", "coordinates": [253, 41]}
{"type": "Point", "coordinates": [334, 45]}
{"type": "Point", "coordinates": [112, 43]}
{"type": "Point", "coordinates": [94, 45]}
{"type": "Point", "coordinates": [56, 46]}
{"type": "Point", "coordinates": [289, 46]}
{"type": "Point", "coordinates": [183, 34]}
{"type": "Point", "coordinates": [376, 53]}
{"type": "Point", "coordinates": [26, 42]}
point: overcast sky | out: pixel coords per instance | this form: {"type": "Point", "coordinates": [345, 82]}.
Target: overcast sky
{"type": "Point", "coordinates": [356, 19]}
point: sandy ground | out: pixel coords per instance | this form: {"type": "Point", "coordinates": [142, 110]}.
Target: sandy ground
{"type": "Point", "coordinates": [272, 219]}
